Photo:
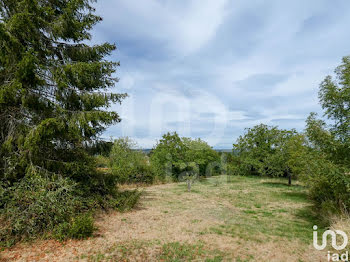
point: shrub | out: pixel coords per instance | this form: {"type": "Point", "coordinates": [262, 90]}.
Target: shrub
{"type": "Point", "coordinates": [129, 165]}
{"type": "Point", "coordinates": [125, 200]}
{"type": "Point", "coordinates": [102, 161]}
{"type": "Point", "coordinates": [79, 227]}
{"type": "Point", "coordinates": [37, 204]}
{"type": "Point", "coordinates": [328, 183]}
{"type": "Point", "coordinates": [42, 204]}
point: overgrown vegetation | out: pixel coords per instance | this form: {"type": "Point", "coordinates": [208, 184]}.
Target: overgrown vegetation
{"type": "Point", "coordinates": [54, 101]}
{"type": "Point", "coordinates": [128, 164]}
{"type": "Point", "coordinates": [79, 227]}
{"type": "Point", "coordinates": [328, 169]}
{"type": "Point", "coordinates": [37, 204]}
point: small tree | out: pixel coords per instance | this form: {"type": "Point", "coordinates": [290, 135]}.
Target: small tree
{"type": "Point", "coordinates": [264, 151]}
{"type": "Point", "coordinates": [190, 175]}
{"type": "Point", "coordinates": [168, 156]}
{"type": "Point", "coordinates": [128, 164]}
{"type": "Point", "coordinates": [181, 157]}
{"type": "Point", "coordinates": [283, 162]}
{"type": "Point", "coordinates": [201, 154]}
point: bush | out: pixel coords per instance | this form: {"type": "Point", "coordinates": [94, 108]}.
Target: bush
{"type": "Point", "coordinates": [126, 200]}
{"type": "Point", "coordinates": [129, 165]}
{"type": "Point", "coordinates": [79, 227]}
{"type": "Point", "coordinates": [37, 204]}
{"type": "Point", "coordinates": [43, 204]}
{"type": "Point", "coordinates": [102, 161]}
{"type": "Point", "coordinates": [328, 183]}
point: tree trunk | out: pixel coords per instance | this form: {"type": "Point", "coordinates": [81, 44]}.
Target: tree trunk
{"type": "Point", "coordinates": [189, 184]}
{"type": "Point", "coordinates": [289, 179]}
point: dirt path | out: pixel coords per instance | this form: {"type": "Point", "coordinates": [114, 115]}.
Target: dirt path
{"type": "Point", "coordinates": [220, 220]}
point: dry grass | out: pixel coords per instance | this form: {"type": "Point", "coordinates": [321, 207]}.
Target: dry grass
{"type": "Point", "coordinates": [240, 219]}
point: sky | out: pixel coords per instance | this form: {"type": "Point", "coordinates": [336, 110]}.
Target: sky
{"type": "Point", "coordinates": [211, 68]}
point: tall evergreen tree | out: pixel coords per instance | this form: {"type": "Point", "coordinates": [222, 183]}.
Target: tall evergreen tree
{"type": "Point", "coordinates": [54, 95]}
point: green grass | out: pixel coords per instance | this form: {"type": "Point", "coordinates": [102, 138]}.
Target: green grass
{"type": "Point", "coordinates": [264, 208]}
{"type": "Point", "coordinates": [167, 252]}
{"type": "Point", "coordinates": [246, 211]}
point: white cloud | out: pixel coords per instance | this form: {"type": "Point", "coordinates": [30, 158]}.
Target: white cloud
{"type": "Point", "coordinates": [183, 29]}
{"type": "Point", "coordinates": [184, 63]}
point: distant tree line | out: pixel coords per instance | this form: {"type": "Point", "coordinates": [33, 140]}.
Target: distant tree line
{"type": "Point", "coordinates": [172, 159]}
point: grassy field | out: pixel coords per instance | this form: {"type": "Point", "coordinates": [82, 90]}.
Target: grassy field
{"type": "Point", "coordinates": [222, 219]}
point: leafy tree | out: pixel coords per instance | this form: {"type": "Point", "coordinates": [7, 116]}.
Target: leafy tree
{"type": "Point", "coordinates": [202, 154]}
{"type": "Point", "coordinates": [168, 157]}
{"type": "Point", "coordinates": [182, 157]}
{"type": "Point", "coordinates": [282, 161]}
{"type": "Point", "coordinates": [327, 171]}
{"type": "Point", "coordinates": [254, 147]}
{"type": "Point", "coordinates": [334, 95]}
{"type": "Point", "coordinates": [264, 150]}
{"type": "Point", "coordinates": [54, 94]}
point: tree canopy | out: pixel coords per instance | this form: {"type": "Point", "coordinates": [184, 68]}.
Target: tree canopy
{"type": "Point", "coordinates": [265, 150]}
{"type": "Point", "coordinates": [176, 156]}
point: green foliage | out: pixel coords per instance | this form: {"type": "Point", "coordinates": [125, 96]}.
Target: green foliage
{"type": "Point", "coordinates": [168, 157]}
{"type": "Point", "coordinates": [200, 153]}
{"type": "Point", "coordinates": [329, 185]}
{"type": "Point", "coordinates": [40, 204]}
{"type": "Point", "coordinates": [328, 167]}
{"type": "Point", "coordinates": [54, 103]}
{"type": "Point", "coordinates": [266, 151]}
{"type": "Point", "coordinates": [100, 148]}
{"type": "Point", "coordinates": [102, 161]}
{"type": "Point", "coordinates": [37, 204]}
{"type": "Point", "coordinates": [79, 227]}
{"type": "Point", "coordinates": [53, 97]}
{"type": "Point", "coordinates": [253, 148]}
{"type": "Point", "coordinates": [129, 165]}
{"type": "Point", "coordinates": [177, 157]}
{"type": "Point", "coordinates": [125, 200]}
